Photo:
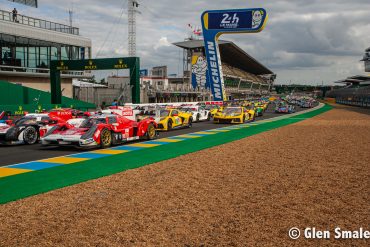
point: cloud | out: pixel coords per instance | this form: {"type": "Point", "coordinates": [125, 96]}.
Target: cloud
{"type": "Point", "coordinates": [304, 41]}
{"type": "Point", "coordinates": [162, 42]}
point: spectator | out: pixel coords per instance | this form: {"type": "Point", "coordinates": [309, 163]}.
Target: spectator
{"type": "Point", "coordinates": [115, 103]}
{"type": "Point", "coordinates": [15, 13]}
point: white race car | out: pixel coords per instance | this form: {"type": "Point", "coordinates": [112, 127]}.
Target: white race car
{"type": "Point", "coordinates": [198, 113]}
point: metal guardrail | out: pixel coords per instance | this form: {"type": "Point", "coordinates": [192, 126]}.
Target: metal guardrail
{"type": "Point", "coordinates": [35, 22]}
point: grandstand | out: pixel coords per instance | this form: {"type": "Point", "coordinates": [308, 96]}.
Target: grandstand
{"type": "Point", "coordinates": [366, 60]}
{"type": "Point", "coordinates": [243, 75]}
{"type": "Point", "coordinates": [356, 91]}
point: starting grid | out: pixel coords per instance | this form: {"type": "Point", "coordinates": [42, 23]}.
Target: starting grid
{"type": "Point", "coordinates": [21, 168]}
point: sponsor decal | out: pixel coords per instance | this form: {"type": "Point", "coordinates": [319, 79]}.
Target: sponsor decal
{"type": "Point", "coordinates": [120, 65]}
{"type": "Point", "coordinates": [199, 72]}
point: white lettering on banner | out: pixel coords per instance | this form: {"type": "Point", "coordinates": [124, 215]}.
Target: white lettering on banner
{"type": "Point", "coordinates": [215, 73]}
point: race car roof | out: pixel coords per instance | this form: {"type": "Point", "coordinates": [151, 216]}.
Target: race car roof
{"type": "Point", "coordinates": [232, 55]}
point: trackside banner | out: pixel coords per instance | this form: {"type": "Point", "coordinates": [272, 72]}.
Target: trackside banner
{"type": "Point", "coordinates": [217, 22]}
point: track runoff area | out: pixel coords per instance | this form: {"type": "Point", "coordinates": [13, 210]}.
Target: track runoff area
{"type": "Point", "coordinates": [56, 171]}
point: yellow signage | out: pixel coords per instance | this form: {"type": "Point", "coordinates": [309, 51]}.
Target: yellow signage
{"type": "Point", "coordinates": [62, 66]}
{"type": "Point", "coordinates": [120, 65]}
{"type": "Point", "coordinates": [91, 66]}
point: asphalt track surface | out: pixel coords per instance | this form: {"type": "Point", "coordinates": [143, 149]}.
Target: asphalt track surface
{"type": "Point", "coordinates": [24, 153]}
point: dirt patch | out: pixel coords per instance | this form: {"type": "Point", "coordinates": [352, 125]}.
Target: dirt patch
{"type": "Point", "coordinates": [315, 173]}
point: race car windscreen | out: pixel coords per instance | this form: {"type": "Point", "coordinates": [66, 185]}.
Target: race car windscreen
{"type": "Point", "coordinates": [210, 107]}
{"type": "Point", "coordinates": [164, 113]}
{"type": "Point", "coordinates": [233, 111]}
{"type": "Point", "coordinates": [88, 123]}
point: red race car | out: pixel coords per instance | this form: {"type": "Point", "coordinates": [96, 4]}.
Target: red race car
{"type": "Point", "coordinates": [101, 130]}
{"type": "Point", "coordinates": [29, 128]}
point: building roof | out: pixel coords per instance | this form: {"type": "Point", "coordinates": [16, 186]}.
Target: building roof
{"type": "Point", "coordinates": [232, 55]}
{"type": "Point", "coordinates": [358, 79]}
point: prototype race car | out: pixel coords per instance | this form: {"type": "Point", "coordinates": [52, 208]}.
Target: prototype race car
{"type": "Point", "coordinates": [232, 115]}
{"type": "Point", "coordinates": [173, 119]}
{"type": "Point", "coordinates": [31, 127]}
{"type": "Point", "coordinates": [101, 130]}
{"type": "Point", "coordinates": [25, 130]}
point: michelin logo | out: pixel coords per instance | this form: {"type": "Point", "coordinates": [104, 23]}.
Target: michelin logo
{"type": "Point", "coordinates": [257, 18]}
{"type": "Point", "coordinates": [199, 69]}
{"type": "Point", "coordinates": [214, 72]}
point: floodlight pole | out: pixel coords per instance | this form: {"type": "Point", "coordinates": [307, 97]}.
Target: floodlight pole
{"type": "Point", "coordinates": [132, 6]}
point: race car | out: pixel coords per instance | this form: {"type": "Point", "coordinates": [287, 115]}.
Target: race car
{"type": "Point", "coordinates": [25, 130]}
{"type": "Point", "coordinates": [172, 119]}
{"type": "Point", "coordinates": [198, 113]}
{"type": "Point", "coordinates": [306, 104]}
{"type": "Point", "coordinates": [259, 109]}
{"type": "Point", "coordinates": [232, 115]}
{"type": "Point", "coordinates": [101, 130]}
{"type": "Point", "coordinates": [251, 113]}
{"type": "Point", "coordinates": [31, 127]}
{"type": "Point", "coordinates": [213, 109]}
{"type": "Point", "coordinates": [284, 108]}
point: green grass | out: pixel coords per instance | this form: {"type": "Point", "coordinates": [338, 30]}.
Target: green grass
{"type": "Point", "coordinates": [32, 183]}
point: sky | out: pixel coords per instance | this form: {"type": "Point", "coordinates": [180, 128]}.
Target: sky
{"type": "Point", "coordinates": [304, 41]}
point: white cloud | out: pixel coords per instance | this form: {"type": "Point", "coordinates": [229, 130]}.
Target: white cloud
{"type": "Point", "coordinates": [304, 41]}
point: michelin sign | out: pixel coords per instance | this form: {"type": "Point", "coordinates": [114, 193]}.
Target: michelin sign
{"type": "Point", "coordinates": [217, 22]}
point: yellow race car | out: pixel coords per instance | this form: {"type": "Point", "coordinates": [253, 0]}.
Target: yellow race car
{"type": "Point", "coordinates": [231, 115]}
{"type": "Point", "coordinates": [173, 119]}
{"type": "Point", "coordinates": [213, 109]}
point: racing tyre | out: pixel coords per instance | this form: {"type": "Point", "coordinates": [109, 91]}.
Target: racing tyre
{"type": "Point", "coordinates": [209, 117]}
{"type": "Point", "coordinates": [190, 124]}
{"type": "Point", "coordinates": [169, 125]}
{"type": "Point", "coordinates": [105, 138]}
{"type": "Point", "coordinates": [30, 135]}
{"type": "Point", "coordinates": [198, 117]}
{"type": "Point", "coordinates": [151, 133]}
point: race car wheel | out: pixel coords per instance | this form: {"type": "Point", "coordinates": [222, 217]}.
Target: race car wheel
{"type": "Point", "coordinates": [169, 124]}
{"type": "Point", "coordinates": [209, 116]}
{"type": "Point", "coordinates": [105, 138]}
{"type": "Point", "coordinates": [198, 117]}
{"type": "Point", "coordinates": [151, 132]}
{"type": "Point", "coordinates": [30, 135]}
{"type": "Point", "coordinates": [190, 122]}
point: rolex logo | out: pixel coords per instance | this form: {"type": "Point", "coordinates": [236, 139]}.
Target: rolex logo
{"type": "Point", "coordinates": [120, 61]}
{"type": "Point", "coordinates": [90, 62]}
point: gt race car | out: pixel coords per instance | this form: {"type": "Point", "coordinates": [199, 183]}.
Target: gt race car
{"type": "Point", "coordinates": [198, 113]}
{"type": "Point", "coordinates": [232, 115]}
{"type": "Point", "coordinates": [284, 108]}
{"type": "Point", "coordinates": [174, 119]}
{"type": "Point", "coordinates": [101, 130]}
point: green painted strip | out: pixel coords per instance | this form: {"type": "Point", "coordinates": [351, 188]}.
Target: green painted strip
{"type": "Point", "coordinates": [28, 184]}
